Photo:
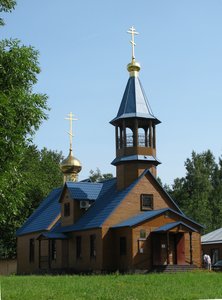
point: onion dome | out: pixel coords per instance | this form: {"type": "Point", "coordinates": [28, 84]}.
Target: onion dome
{"type": "Point", "coordinates": [70, 167]}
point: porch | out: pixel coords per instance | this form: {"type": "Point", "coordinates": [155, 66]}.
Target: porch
{"type": "Point", "coordinates": [170, 247]}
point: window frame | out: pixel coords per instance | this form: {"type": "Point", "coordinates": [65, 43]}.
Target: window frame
{"type": "Point", "coordinates": [78, 247]}
{"type": "Point", "coordinates": [122, 246]}
{"type": "Point", "coordinates": [93, 246]}
{"type": "Point", "coordinates": [53, 249]}
{"type": "Point", "coordinates": [31, 250]}
{"type": "Point", "coordinates": [142, 199]}
{"type": "Point", "coordinates": [66, 209]}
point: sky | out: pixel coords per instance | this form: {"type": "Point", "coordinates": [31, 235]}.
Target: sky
{"type": "Point", "coordinates": [83, 52]}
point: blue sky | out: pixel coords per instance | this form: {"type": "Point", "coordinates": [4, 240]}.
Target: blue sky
{"type": "Point", "coordinates": [84, 50]}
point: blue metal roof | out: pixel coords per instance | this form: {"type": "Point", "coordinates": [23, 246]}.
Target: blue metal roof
{"type": "Point", "coordinates": [134, 102]}
{"type": "Point", "coordinates": [84, 190]}
{"type": "Point", "coordinates": [147, 158]}
{"type": "Point", "coordinates": [108, 198]}
{"type": "Point", "coordinates": [102, 208]}
{"type": "Point", "coordinates": [44, 215]}
{"type": "Point", "coordinates": [145, 216]}
{"type": "Point", "coordinates": [54, 235]}
{"type": "Point", "coordinates": [172, 225]}
{"type": "Point", "coordinates": [140, 218]}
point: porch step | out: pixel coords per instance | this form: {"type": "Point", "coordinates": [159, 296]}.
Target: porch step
{"type": "Point", "coordinates": [174, 268]}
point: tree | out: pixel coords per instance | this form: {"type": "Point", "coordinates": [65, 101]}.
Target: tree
{"type": "Point", "coordinates": [6, 6]}
{"type": "Point", "coordinates": [21, 110]}
{"type": "Point", "coordinates": [38, 173]}
{"type": "Point", "coordinates": [96, 176]}
{"type": "Point", "coordinates": [194, 192]}
{"type": "Point", "coordinates": [21, 113]}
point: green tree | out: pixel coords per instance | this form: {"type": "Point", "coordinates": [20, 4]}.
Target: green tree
{"type": "Point", "coordinates": [38, 173]}
{"type": "Point", "coordinates": [215, 198]}
{"type": "Point", "coordinates": [96, 176]}
{"type": "Point", "coordinates": [193, 192]}
{"type": "Point", "coordinates": [6, 6]}
{"type": "Point", "coordinates": [21, 113]}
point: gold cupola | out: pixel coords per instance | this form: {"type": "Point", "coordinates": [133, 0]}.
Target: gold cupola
{"type": "Point", "coordinates": [70, 166]}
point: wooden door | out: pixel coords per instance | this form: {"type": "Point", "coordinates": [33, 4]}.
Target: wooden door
{"type": "Point", "coordinates": [180, 246]}
{"type": "Point", "coordinates": [159, 250]}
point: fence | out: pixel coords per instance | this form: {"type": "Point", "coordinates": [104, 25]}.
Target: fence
{"type": "Point", "coordinates": [8, 266]}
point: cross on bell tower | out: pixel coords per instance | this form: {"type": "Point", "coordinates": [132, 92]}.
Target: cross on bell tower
{"type": "Point", "coordinates": [135, 129]}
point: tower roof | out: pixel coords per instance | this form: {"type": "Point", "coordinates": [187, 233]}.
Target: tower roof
{"type": "Point", "coordinates": [134, 102]}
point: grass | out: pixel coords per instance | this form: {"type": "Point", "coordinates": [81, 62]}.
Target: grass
{"type": "Point", "coordinates": [190, 285]}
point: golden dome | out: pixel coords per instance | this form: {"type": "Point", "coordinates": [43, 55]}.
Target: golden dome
{"type": "Point", "coordinates": [133, 68]}
{"type": "Point", "coordinates": [70, 167]}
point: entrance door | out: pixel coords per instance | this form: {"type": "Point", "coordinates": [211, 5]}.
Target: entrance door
{"type": "Point", "coordinates": [180, 246]}
{"type": "Point", "coordinates": [159, 250]}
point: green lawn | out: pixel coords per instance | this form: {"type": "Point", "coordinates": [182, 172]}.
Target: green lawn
{"type": "Point", "coordinates": [191, 285]}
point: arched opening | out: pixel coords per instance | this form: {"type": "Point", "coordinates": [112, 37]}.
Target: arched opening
{"type": "Point", "coordinates": [141, 137]}
{"type": "Point", "coordinates": [129, 137]}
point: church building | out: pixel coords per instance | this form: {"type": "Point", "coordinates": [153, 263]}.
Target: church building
{"type": "Point", "coordinates": [127, 223]}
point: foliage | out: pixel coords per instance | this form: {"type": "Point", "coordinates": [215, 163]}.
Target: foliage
{"type": "Point", "coordinates": [6, 6]}
{"type": "Point", "coordinates": [36, 175]}
{"type": "Point", "coordinates": [21, 113]}
{"type": "Point", "coordinates": [96, 176]}
{"type": "Point", "coordinates": [199, 193]}
{"type": "Point", "coordinates": [188, 285]}
{"type": "Point", "coordinates": [21, 110]}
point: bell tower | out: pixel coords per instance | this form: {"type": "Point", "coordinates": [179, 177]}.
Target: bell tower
{"type": "Point", "coordinates": [135, 129]}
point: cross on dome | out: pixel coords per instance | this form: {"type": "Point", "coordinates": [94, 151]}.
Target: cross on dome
{"type": "Point", "coordinates": [70, 133]}
{"type": "Point", "coordinates": [133, 32]}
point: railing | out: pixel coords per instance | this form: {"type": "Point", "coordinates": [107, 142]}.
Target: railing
{"type": "Point", "coordinates": [130, 143]}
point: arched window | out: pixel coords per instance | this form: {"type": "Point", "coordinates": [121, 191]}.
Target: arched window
{"type": "Point", "coordinates": [129, 137]}
{"type": "Point", "coordinates": [118, 138]}
{"type": "Point", "coordinates": [141, 137]}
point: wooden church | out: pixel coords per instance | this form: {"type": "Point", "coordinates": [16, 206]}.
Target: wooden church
{"type": "Point", "coordinates": [127, 223]}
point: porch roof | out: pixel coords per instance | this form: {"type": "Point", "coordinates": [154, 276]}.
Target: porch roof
{"type": "Point", "coordinates": [145, 216]}
{"type": "Point", "coordinates": [172, 225]}
{"type": "Point", "coordinates": [53, 236]}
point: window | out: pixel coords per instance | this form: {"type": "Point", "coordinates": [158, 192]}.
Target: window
{"type": "Point", "coordinates": [66, 209]}
{"type": "Point", "coordinates": [53, 250]}
{"type": "Point", "coordinates": [78, 247]}
{"type": "Point", "coordinates": [31, 250]}
{"type": "Point", "coordinates": [142, 234]}
{"type": "Point", "coordinates": [122, 245]}
{"type": "Point", "coordinates": [146, 202]}
{"type": "Point", "coordinates": [215, 255]}
{"type": "Point", "coordinates": [92, 245]}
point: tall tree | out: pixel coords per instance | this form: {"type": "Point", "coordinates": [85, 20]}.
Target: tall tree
{"type": "Point", "coordinates": [193, 192]}
{"type": "Point", "coordinates": [21, 113]}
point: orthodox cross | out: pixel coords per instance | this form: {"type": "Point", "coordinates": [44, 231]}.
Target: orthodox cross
{"type": "Point", "coordinates": [70, 118]}
{"type": "Point", "coordinates": [132, 31]}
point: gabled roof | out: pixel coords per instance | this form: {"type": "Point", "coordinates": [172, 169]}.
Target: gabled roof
{"type": "Point", "coordinates": [145, 216]}
{"type": "Point", "coordinates": [44, 215]}
{"type": "Point", "coordinates": [108, 199]}
{"type": "Point", "coordinates": [50, 207]}
{"type": "Point", "coordinates": [106, 204]}
{"type": "Point", "coordinates": [84, 190]}
{"type": "Point", "coordinates": [134, 102]}
{"type": "Point", "coordinates": [214, 237]}
{"type": "Point", "coordinates": [53, 236]}
{"type": "Point", "coordinates": [172, 225]}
